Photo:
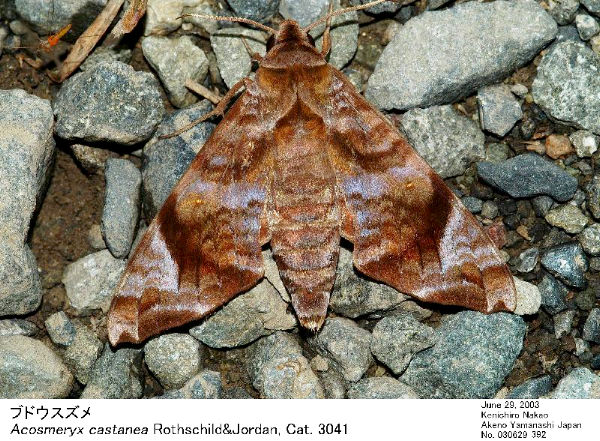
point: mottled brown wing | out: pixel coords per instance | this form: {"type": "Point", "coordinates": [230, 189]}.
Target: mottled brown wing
{"type": "Point", "coordinates": [409, 230]}
{"type": "Point", "coordinates": [204, 246]}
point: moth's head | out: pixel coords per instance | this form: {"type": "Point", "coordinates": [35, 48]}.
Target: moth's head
{"type": "Point", "coordinates": [290, 32]}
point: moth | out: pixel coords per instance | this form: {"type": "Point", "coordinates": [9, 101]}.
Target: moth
{"type": "Point", "coordinates": [300, 161]}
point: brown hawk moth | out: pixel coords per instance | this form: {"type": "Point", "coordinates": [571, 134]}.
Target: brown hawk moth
{"type": "Point", "coordinates": [300, 161]}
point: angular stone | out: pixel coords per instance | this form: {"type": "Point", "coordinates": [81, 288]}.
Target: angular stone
{"type": "Point", "coordinates": [529, 298]}
{"type": "Point", "coordinates": [121, 206]}
{"type": "Point", "coordinates": [246, 318]}
{"type": "Point", "coordinates": [279, 370]}
{"type": "Point", "coordinates": [204, 385]}
{"type": "Point", "coordinates": [591, 328]}
{"type": "Point", "coordinates": [580, 383]}
{"type": "Point", "coordinates": [176, 60]}
{"type": "Point", "coordinates": [26, 153]}
{"type": "Point", "coordinates": [590, 239]}
{"type": "Point", "coordinates": [448, 141]}
{"type": "Point", "coordinates": [568, 217]}
{"type": "Point", "coordinates": [499, 110]}
{"type": "Point", "coordinates": [585, 143]}
{"type": "Point", "coordinates": [567, 262]}
{"type": "Point", "coordinates": [354, 296]}
{"type": "Point", "coordinates": [473, 355]}
{"type": "Point", "coordinates": [17, 327]}
{"type": "Point", "coordinates": [173, 359]}
{"type": "Point", "coordinates": [381, 388]}
{"type": "Point", "coordinates": [162, 16]}
{"type": "Point", "coordinates": [429, 63]}
{"type": "Point", "coordinates": [553, 294]}
{"type": "Point", "coordinates": [31, 370]}
{"type": "Point", "coordinates": [109, 103]}
{"type": "Point", "coordinates": [116, 374]}
{"type": "Point", "coordinates": [346, 345]}
{"type": "Point", "coordinates": [82, 353]}
{"type": "Point", "coordinates": [60, 329]}
{"type": "Point", "coordinates": [396, 339]}
{"type": "Point", "coordinates": [566, 85]}
{"type": "Point", "coordinates": [90, 281]}
{"type": "Point", "coordinates": [532, 389]}
{"type": "Point", "coordinates": [529, 175]}
{"type": "Point", "coordinates": [563, 323]}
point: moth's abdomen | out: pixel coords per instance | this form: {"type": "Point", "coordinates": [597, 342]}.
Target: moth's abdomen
{"type": "Point", "coordinates": [305, 219]}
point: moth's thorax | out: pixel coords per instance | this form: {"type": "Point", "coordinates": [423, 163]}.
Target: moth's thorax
{"type": "Point", "coordinates": [292, 47]}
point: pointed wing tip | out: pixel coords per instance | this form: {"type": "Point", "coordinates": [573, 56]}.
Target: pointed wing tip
{"type": "Point", "coordinates": [312, 323]}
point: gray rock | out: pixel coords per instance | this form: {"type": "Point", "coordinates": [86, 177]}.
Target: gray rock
{"type": "Point", "coordinates": [529, 175]}
{"type": "Point", "coordinates": [354, 296]}
{"type": "Point", "coordinates": [104, 54]}
{"type": "Point", "coordinates": [542, 205]}
{"type": "Point", "coordinates": [499, 110]}
{"type": "Point", "coordinates": [121, 205]}
{"type": "Point", "coordinates": [383, 8]}
{"type": "Point", "coordinates": [593, 6]}
{"type": "Point", "coordinates": [305, 12]}
{"type": "Point", "coordinates": [165, 160]}
{"type": "Point", "coordinates": [82, 353]}
{"type": "Point", "coordinates": [448, 141]}
{"type": "Point", "coordinates": [563, 323]}
{"type": "Point", "coordinates": [278, 369]}
{"type": "Point", "coordinates": [205, 385]}
{"type": "Point", "coordinates": [553, 294]}
{"type": "Point", "coordinates": [566, 85]}
{"type": "Point", "coordinates": [254, 314]}
{"type": "Point", "coordinates": [176, 60]}
{"type": "Point", "coordinates": [585, 143]}
{"type": "Point", "coordinates": [60, 329]}
{"type": "Point", "coordinates": [472, 204]}
{"type": "Point", "coordinates": [532, 389]}
{"type": "Point", "coordinates": [587, 26]}
{"type": "Point", "coordinates": [595, 363]}
{"type": "Point", "coordinates": [591, 328]}
{"type": "Point", "coordinates": [592, 192]}
{"type": "Point", "coordinates": [580, 383]}
{"type": "Point", "coordinates": [91, 159]}
{"type": "Point", "coordinates": [261, 10]}
{"type": "Point", "coordinates": [109, 103]}
{"type": "Point", "coordinates": [90, 281]}
{"type": "Point", "coordinates": [272, 275]}
{"type": "Point", "coordinates": [381, 388]}
{"type": "Point", "coordinates": [95, 239]}
{"type": "Point", "coordinates": [497, 152]}
{"type": "Point", "coordinates": [528, 259]}
{"type": "Point", "coordinates": [26, 153]}
{"type": "Point", "coordinates": [489, 210]}
{"type": "Point", "coordinates": [116, 374]}
{"type": "Point", "coordinates": [568, 217]}
{"type": "Point", "coordinates": [232, 56]}
{"type": "Point", "coordinates": [31, 370]}
{"type": "Point", "coordinates": [519, 90]}
{"type": "Point", "coordinates": [334, 385]}
{"type": "Point", "coordinates": [173, 359]}
{"type": "Point", "coordinates": [396, 339]}
{"type": "Point", "coordinates": [8, 10]}
{"type": "Point", "coordinates": [162, 16]}
{"type": "Point", "coordinates": [567, 262]}
{"type": "Point", "coordinates": [473, 355]}
{"type": "Point", "coordinates": [563, 11]}
{"type": "Point", "coordinates": [529, 298]}
{"type": "Point", "coordinates": [590, 239]}
{"type": "Point", "coordinates": [429, 63]}
{"type": "Point", "coordinates": [346, 345]}
{"type": "Point", "coordinates": [17, 327]}
{"type": "Point", "coordinates": [49, 16]}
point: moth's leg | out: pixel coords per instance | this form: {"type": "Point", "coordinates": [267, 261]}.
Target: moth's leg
{"type": "Point", "coordinates": [255, 56]}
{"type": "Point", "coordinates": [218, 111]}
{"type": "Point", "coordinates": [326, 35]}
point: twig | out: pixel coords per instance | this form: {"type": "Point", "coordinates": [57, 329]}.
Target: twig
{"type": "Point", "coordinates": [213, 97]}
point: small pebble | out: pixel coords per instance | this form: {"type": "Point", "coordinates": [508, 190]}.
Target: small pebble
{"type": "Point", "coordinates": [173, 359]}
{"type": "Point", "coordinates": [558, 146]}
{"type": "Point", "coordinates": [563, 323]}
{"type": "Point", "coordinates": [591, 328]}
{"type": "Point", "coordinates": [579, 383]}
{"type": "Point", "coordinates": [60, 329]}
{"type": "Point", "coordinates": [528, 259]}
{"type": "Point", "coordinates": [553, 293]}
{"type": "Point", "coordinates": [532, 389]}
{"type": "Point", "coordinates": [568, 262]}
{"type": "Point", "coordinates": [568, 217]}
{"type": "Point", "coordinates": [587, 26]}
{"type": "Point", "coordinates": [585, 143]}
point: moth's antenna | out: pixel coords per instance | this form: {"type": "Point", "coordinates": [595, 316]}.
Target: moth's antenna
{"type": "Point", "coordinates": [232, 19]}
{"type": "Point", "coordinates": [344, 11]}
